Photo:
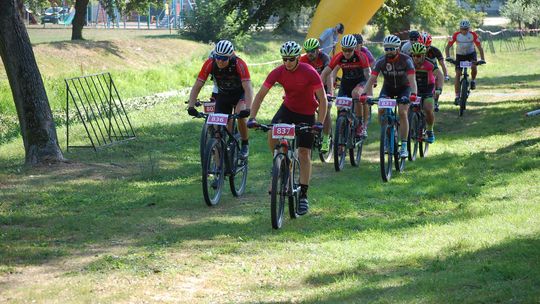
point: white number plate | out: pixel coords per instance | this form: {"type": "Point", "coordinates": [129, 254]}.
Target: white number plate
{"type": "Point", "coordinates": [344, 102]}
{"type": "Point", "coordinates": [209, 107]}
{"type": "Point", "coordinates": [465, 64]}
{"type": "Point", "coordinates": [217, 119]}
{"type": "Point", "coordinates": [386, 103]}
{"type": "Point", "coordinates": [417, 102]}
{"type": "Point", "coordinates": [283, 131]}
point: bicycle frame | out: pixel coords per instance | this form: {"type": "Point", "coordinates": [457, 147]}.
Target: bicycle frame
{"type": "Point", "coordinates": [225, 138]}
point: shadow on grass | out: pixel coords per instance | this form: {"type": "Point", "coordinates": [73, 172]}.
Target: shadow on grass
{"type": "Point", "coordinates": [107, 46]}
{"type": "Point", "coordinates": [507, 272]}
{"type": "Point", "coordinates": [56, 213]}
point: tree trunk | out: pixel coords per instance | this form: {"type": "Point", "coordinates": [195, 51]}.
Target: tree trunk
{"type": "Point", "coordinates": [79, 20]}
{"type": "Point", "coordinates": [35, 117]}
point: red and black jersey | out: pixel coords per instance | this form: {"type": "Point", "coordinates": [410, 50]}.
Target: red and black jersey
{"type": "Point", "coordinates": [318, 64]}
{"type": "Point", "coordinates": [353, 68]}
{"type": "Point", "coordinates": [229, 79]}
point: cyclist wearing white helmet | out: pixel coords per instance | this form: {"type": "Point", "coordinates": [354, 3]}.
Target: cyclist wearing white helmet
{"type": "Point", "coordinates": [231, 75]}
{"type": "Point", "coordinates": [355, 66]}
{"type": "Point", "coordinates": [302, 84]}
{"type": "Point", "coordinates": [465, 40]}
{"type": "Point", "coordinates": [399, 82]}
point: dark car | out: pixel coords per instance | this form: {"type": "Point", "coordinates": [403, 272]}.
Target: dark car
{"type": "Point", "coordinates": [53, 14]}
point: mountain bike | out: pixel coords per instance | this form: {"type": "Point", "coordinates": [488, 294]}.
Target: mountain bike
{"type": "Point", "coordinates": [325, 157]}
{"type": "Point", "coordinates": [416, 141]}
{"type": "Point", "coordinates": [464, 83]}
{"type": "Point", "coordinates": [389, 146]}
{"type": "Point", "coordinates": [221, 158]}
{"type": "Point", "coordinates": [209, 107]}
{"type": "Point", "coordinates": [345, 134]}
{"type": "Point", "coordinates": [285, 170]}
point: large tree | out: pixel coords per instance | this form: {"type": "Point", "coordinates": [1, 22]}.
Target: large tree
{"type": "Point", "coordinates": [35, 117]}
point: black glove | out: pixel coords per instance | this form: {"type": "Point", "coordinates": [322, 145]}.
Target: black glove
{"type": "Point", "coordinates": [244, 113]}
{"type": "Point", "coordinates": [193, 112]}
{"type": "Point", "coordinates": [481, 62]}
{"type": "Point", "coordinates": [252, 123]}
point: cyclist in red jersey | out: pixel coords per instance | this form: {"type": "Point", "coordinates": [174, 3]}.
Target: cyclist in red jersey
{"type": "Point", "coordinates": [302, 84]}
{"type": "Point", "coordinates": [356, 69]}
{"type": "Point", "coordinates": [319, 60]}
{"type": "Point", "coordinates": [232, 78]}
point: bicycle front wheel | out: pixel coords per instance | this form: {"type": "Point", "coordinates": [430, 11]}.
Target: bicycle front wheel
{"type": "Point", "coordinates": [278, 193]}
{"type": "Point", "coordinates": [294, 194]}
{"type": "Point", "coordinates": [239, 169]}
{"type": "Point", "coordinates": [414, 136]}
{"type": "Point", "coordinates": [386, 152]}
{"type": "Point", "coordinates": [464, 87]}
{"type": "Point", "coordinates": [340, 142]}
{"type": "Point", "coordinates": [213, 171]}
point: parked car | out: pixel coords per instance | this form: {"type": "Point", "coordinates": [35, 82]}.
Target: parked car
{"type": "Point", "coordinates": [53, 14]}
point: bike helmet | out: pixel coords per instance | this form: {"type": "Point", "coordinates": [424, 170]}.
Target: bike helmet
{"type": "Point", "coordinates": [348, 41]}
{"type": "Point", "coordinates": [224, 48]}
{"type": "Point", "coordinates": [391, 41]}
{"type": "Point", "coordinates": [413, 35]}
{"type": "Point", "coordinates": [359, 38]}
{"type": "Point", "coordinates": [290, 49]}
{"type": "Point", "coordinates": [425, 39]}
{"type": "Point", "coordinates": [418, 48]}
{"type": "Point", "coordinates": [464, 24]}
{"type": "Point", "coordinates": [311, 44]}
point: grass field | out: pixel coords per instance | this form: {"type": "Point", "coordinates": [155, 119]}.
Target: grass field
{"type": "Point", "coordinates": [128, 224]}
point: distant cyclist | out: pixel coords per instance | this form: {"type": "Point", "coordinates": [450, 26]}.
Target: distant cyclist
{"type": "Point", "coordinates": [355, 66]}
{"type": "Point", "coordinates": [360, 47]}
{"type": "Point", "coordinates": [399, 82]}
{"type": "Point", "coordinates": [427, 86]}
{"type": "Point", "coordinates": [318, 60]}
{"type": "Point", "coordinates": [232, 78]}
{"type": "Point", "coordinates": [302, 84]}
{"type": "Point", "coordinates": [465, 40]}
{"type": "Point", "coordinates": [413, 37]}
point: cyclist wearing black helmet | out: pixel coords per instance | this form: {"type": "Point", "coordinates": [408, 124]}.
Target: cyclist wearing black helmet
{"type": "Point", "coordinates": [360, 47]}
{"type": "Point", "coordinates": [413, 37]}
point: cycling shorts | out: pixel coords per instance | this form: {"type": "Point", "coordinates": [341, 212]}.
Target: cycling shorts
{"type": "Point", "coordinates": [225, 103]}
{"type": "Point", "coordinates": [346, 90]}
{"type": "Point", "coordinates": [469, 57]}
{"type": "Point", "coordinates": [284, 115]}
{"type": "Point", "coordinates": [387, 92]}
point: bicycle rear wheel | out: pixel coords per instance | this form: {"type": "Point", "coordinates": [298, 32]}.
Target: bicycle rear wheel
{"type": "Point", "coordinates": [398, 161]}
{"type": "Point", "coordinates": [340, 142]}
{"type": "Point", "coordinates": [238, 167]}
{"type": "Point", "coordinates": [278, 193]}
{"type": "Point", "coordinates": [463, 95]}
{"type": "Point", "coordinates": [386, 152]}
{"type": "Point", "coordinates": [212, 172]}
{"type": "Point", "coordinates": [295, 191]}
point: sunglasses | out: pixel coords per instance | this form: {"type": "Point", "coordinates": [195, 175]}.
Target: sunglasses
{"type": "Point", "coordinates": [389, 49]}
{"type": "Point", "coordinates": [418, 55]}
{"type": "Point", "coordinates": [289, 59]}
{"type": "Point", "coordinates": [312, 51]}
{"type": "Point", "coordinates": [348, 50]}
{"type": "Point", "coordinates": [222, 58]}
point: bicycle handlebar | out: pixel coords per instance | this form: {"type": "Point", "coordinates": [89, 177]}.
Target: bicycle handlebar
{"type": "Point", "coordinates": [404, 100]}
{"type": "Point", "coordinates": [298, 127]}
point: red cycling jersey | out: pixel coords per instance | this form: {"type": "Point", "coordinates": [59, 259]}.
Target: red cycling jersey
{"type": "Point", "coordinates": [299, 85]}
{"type": "Point", "coordinates": [353, 68]}
{"type": "Point", "coordinates": [229, 79]}
{"type": "Point", "coordinates": [319, 64]}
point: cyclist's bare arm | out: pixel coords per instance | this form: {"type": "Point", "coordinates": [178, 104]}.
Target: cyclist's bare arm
{"type": "Point", "coordinates": [439, 78]}
{"type": "Point", "coordinates": [443, 66]}
{"type": "Point", "coordinates": [248, 93]}
{"type": "Point", "coordinates": [327, 78]}
{"type": "Point", "coordinates": [323, 104]}
{"type": "Point", "coordinates": [367, 72]}
{"type": "Point", "coordinates": [258, 100]}
{"type": "Point", "coordinates": [447, 50]}
{"type": "Point", "coordinates": [368, 89]}
{"type": "Point", "coordinates": [412, 83]}
{"type": "Point", "coordinates": [195, 90]}
{"type": "Point", "coordinates": [481, 50]}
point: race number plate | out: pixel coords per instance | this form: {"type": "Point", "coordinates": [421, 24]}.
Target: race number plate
{"type": "Point", "coordinates": [386, 103]}
{"type": "Point", "coordinates": [344, 102]}
{"type": "Point", "coordinates": [465, 64]}
{"type": "Point", "coordinates": [283, 131]}
{"type": "Point", "coordinates": [417, 102]}
{"type": "Point", "coordinates": [209, 107]}
{"type": "Point", "coordinates": [217, 119]}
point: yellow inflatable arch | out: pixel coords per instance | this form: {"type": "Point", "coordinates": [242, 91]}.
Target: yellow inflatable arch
{"type": "Point", "coordinates": [354, 14]}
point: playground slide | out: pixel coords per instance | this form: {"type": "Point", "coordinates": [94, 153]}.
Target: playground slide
{"type": "Point", "coordinates": [68, 18]}
{"type": "Point", "coordinates": [354, 14]}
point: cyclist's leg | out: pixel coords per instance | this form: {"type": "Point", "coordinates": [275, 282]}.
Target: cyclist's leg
{"type": "Point", "coordinates": [305, 142]}
{"type": "Point", "coordinates": [363, 109]}
{"type": "Point", "coordinates": [327, 119]}
{"type": "Point", "coordinates": [242, 125]}
{"type": "Point", "coordinates": [403, 111]}
{"type": "Point", "coordinates": [428, 107]}
{"type": "Point", "coordinates": [474, 68]}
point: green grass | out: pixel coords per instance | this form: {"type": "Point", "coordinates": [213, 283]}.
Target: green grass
{"type": "Point", "coordinates": [129, 224]}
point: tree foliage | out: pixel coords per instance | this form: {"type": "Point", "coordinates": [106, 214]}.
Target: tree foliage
{"type": "Point", "coordinates": [522, 12]}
